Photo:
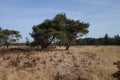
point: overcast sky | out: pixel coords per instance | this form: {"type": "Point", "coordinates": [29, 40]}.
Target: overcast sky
{"type": "Point", "coordinates": [21, 15]}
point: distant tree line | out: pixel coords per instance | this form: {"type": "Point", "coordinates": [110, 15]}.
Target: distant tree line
{"type": "Point", "coordinates": [106, 40]}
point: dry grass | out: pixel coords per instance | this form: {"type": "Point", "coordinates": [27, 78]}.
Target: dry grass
{"type": "Point", "coordinates": [79, 63]}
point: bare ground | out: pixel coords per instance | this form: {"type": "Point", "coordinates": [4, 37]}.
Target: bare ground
{"type": "Point", "coordinates": [78, 63]}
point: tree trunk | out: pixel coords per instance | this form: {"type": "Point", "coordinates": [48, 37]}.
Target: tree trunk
{"type": "Point", "coordinates": [44, 46]}
{"type": "Point", "coordinates": [67, 46]}
{"type": "Point", "coordinates": [7, 46]}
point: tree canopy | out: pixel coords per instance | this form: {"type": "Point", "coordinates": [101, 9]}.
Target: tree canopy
{"type": "Point", "coordinates": [8, 37]}
{"type": "Point", "coordinates": [61, 29]}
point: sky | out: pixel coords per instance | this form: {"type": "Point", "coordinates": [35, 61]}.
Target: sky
{"type": "Point", "coordinates": [102, 15]}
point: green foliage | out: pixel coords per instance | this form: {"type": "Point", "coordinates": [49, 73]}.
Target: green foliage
{"type": "Point", "coordinates": [117, 39]}
{"type": "Point", "coordinates": [44, 33]}
{"type": "Point", "coordinates": [106, 40]}
{"type": "Point", "coordinates": [61, 29]}
{"type": "Point", "coordinates": [8, 37]}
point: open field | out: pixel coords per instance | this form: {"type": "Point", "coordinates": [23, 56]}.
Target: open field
{"type": "Point", "coordinates": [78, 63]}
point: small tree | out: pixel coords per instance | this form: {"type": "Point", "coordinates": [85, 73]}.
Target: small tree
{"type": "Point", "coordinates": [106, 39]}
{"type": "Point", "coordinates": [8, 37]}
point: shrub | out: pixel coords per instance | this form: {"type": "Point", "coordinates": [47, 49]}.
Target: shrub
{"type": "Point", "coordinates": [117, 74]}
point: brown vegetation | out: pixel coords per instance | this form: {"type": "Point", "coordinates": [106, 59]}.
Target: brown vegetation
{"type": "Point", "coordinates": [78, 63]}
{"type": "Point", "coordinates": [117, 74]}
